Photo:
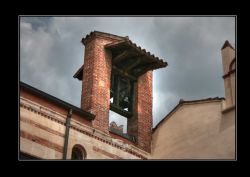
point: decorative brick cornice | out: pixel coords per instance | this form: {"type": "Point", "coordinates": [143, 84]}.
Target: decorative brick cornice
{"type": "Point", "coordinates": [99, 34]}
{"type": "Point", "coordinates": [108, 140]}
{"type": "Point", "coordinates": [106, 153]}
{"type": "Point", "coordinates": [41, 110]}
{"type": "Point", "coordinates": [89, 131]}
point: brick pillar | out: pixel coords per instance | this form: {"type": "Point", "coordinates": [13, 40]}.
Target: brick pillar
{"type": "Point", "coordinates": [96, 81]}
{"type": "Point", "coordinates": [141, 123]}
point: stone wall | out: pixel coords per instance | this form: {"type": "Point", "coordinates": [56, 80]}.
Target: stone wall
{"type": "Point", "coordinates": [42, 133]}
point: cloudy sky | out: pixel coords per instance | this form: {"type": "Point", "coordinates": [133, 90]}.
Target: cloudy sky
{"type": "Point", "coordinates": [51, 52]}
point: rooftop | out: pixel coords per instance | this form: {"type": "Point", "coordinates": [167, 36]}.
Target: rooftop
{"type": "Point", "coordinates": [127, 57]}
{"type": "Point", "coordinates": [57, 101]}
{"type": "Point", "coordinates": [182, 102]}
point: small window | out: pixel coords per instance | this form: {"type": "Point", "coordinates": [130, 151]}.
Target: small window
{"type": "Point", "coordinates": [78, 153]}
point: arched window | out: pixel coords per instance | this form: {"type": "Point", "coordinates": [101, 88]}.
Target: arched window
{"type": "Point", "coordinates": [78, 153]}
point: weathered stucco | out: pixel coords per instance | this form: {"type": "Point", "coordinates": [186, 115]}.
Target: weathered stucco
{"type": "Point", "coordinates": [196, 131]}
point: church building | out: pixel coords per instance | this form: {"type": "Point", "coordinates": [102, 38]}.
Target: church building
{"type": "Point", "coordinates": [117, 75]}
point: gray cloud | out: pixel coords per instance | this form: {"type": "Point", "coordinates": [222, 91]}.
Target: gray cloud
{"type": "Point", "coordinates": [51, 53]}
{"type": "Point", "coordinates": [192, 47]}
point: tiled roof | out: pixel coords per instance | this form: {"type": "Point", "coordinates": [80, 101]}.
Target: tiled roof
{"type": "Point", "coordinates": [123, 43]}
{"type": "Point", "coordinates": [98, 33]}
{"type": "Point", "coordinates": [129, 44]}
{"type": "Point", "coordinates": [79, 73]}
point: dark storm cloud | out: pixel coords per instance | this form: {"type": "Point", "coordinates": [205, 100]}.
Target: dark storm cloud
{"type": "Point", "coordinates": [192, 47]}
{"type": "Point", "coordinates": [51, 52]}
{"type": "Point", "coordinates": [46, 61]}
{"type": "Point", "coordinates": [37, 22]}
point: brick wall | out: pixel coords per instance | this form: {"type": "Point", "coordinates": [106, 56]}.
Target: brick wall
{"type": "Point", "coordinates": [96, 91]}
{"type": "Point", "coordinates": [96, 81]}
{"type": "Point", "coordinates": [141, 123]}
{"type": "Point", "coordinates": [42, 136]}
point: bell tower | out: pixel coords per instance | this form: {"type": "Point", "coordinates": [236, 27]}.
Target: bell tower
{"type": "Point", "coordinates": [228, 61]}
{"type": "Point", "coordinates": [117, 76]}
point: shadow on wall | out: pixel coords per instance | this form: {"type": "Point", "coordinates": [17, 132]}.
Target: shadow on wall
{"type": "Point", "coordinates": [227, 120]}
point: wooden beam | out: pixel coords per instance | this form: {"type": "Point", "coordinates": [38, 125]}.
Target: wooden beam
{"type": "Point", "coordinates": [123, 73]}
{"type": "Point", "coordinates": [122, 55]}
{"type": "Point", "coordinates": [131, 97]}
{"type": "Point", "coordinates": [116, 90]}
{"type": "Point", "coordinates": [144, 70]}
{"type": "Point", "coordinates": [120, 111]}
{"type": "Point", "coordinates": [132, 65]}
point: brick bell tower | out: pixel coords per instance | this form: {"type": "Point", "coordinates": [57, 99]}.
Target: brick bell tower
{"type": "Point", "coordinates": [117, 76]}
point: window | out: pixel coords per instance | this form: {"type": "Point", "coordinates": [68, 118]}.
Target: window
{"type": "Point", "coordinates": [78, 153]}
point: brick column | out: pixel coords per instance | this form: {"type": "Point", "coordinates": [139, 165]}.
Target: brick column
{"type": "Point", "coordinates": [96, 82]}
{"type": "Point", "coordinates": [141, 123]}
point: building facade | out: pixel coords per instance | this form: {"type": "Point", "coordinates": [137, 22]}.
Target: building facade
{"type": "Point", "coordinates": [201, 129]}
{"type": "Point", "coordinates": [117, 75]}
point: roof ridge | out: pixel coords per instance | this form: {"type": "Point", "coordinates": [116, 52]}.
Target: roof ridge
{"type": "Point", "coordinates": [204, 99]}
{"type": "Point", "coordinates": [227, 44]}
{"type": "Point", "coordinates": [181, 102]}
{"type": "Point", "coordinates": [104, 34]}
